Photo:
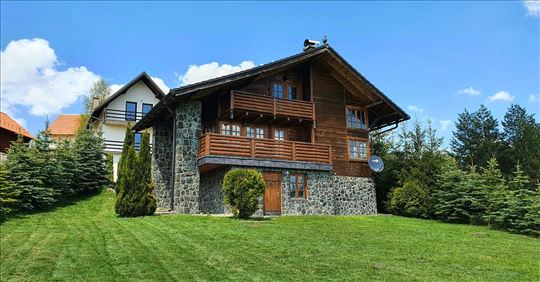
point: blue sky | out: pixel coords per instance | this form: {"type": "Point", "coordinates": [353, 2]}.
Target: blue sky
{"type": "Point", "coordinates": [434, 59]}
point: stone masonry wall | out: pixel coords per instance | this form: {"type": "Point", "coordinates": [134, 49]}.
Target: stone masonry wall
{"type": "Point", "coordinates": [328, 194]}
{"type": "Point", "coordinates": [188, 131]}
{"type": "Point", "coordinates": [162, 162]}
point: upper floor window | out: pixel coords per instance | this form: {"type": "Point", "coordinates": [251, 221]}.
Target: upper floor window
{"type": "Point", "coordinates": [278, 90]}
{"type": "Point", "coordinates": [357, 149]}
{"type": "Point", "coordinates": [131, 111]}
{"type": "Point", "coordinates": [356, 118]}
{"type": "Point", "coordinates": [146, 108]}
{"type": "Point", "coordinates": [279, 134]}
{"type": "Point", "coordinates": [291, 92]}
{"type": "Point", "coordinates": [255, 132]}
{"type": "Point", "coordinates": [297, 186]}
{"type": "Point", "coordinates": [137, 140]}
{"type": "Point", "coordinates": [230, 129]}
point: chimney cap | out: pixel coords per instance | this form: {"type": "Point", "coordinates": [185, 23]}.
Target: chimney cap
{"type": "Point", "coordinates": [309, 43]}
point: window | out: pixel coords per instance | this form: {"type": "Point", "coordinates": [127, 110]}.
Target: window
{"type": "Point", "coordinates": [355, 118]}
{"type": "Point", "coordinates": [297, 186]}
{"type": "Point", "coordinates": [278, 90]}
{"type": "Point", "coordinates": [137, 140]}
{"type": "Point", "coordinates": [279, 134]}
{"type": "Point", "coordinates": [357, 149]}
{"type": "Point", "coordinates": [131, 111]}
{"type": "Point", "coordinates": [230, 129]}
{"type": "Point", "coordinates": [291, 91]}
{"type": "Point", "coordinates": [255, 132]}
{"type": "Point", "coordinates": [146, 108]}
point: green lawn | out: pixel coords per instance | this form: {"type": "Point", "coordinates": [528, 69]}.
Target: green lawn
{"type": "Point", "coordinates": [86, 241]}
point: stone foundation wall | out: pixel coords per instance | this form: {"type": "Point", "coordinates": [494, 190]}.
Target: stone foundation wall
{"type": "Point", "coordinates": [188, 131]}
{"type": "Point", "coordinates": [328, 194]}
{"type": "Point", "coordinates": [162, 162]}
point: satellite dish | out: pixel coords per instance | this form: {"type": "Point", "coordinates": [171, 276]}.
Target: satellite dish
{"type": "Point", "coordinates": [376, 163]}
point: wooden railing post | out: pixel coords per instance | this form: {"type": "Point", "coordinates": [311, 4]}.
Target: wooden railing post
{"type": "Point", "coordinates": [207, 144]}
{"type": "Point", "coordinates": [294, 151]}
{"type": "Point", "coordinates": [330, 154]}
{"type": "Point", "coordinates": [252, 144]}
{"type": "Point", "coordinates": [274, 106]}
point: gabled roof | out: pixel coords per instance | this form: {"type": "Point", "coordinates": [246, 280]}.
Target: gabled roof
{"type": "Point", "coordinates": [143, 76]}
{"type": "Point", "coordinates": [65, 125]}
{"type": "Point", "coordinates": [388, 114]}
{"type": "Point", "coordinates": [8, 123]}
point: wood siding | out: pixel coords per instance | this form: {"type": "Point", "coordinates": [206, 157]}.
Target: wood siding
{"type": "Point", "coordinates": [331, 124]}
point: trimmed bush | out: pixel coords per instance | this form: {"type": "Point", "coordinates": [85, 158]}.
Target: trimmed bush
{"type": "Point", "coordinates": [243, 188]}
{"type": "Point", "coordinates": [409, 200]}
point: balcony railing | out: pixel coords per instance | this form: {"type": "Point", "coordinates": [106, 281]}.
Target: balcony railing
{"type": "Point", "coordinates": [116, 146]}
{"type": "Point", "coordinates": [237, 146]}
{"type": "Point", "coordinates": [122, 116]}
{"type": "Point", "coordinates": [252, 102]}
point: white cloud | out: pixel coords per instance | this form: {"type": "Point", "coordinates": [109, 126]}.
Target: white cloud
{"type": "Point", "coordinates": [445, 123]}
{"type": "Point", "coordinates": [196, 73]}
{"type": "Point", "coordinates": [157, 80]}
{"type": "Point", "coordinates": [469, 91]}
{"type": "Point", "coordinates": [533, 98]}
{"type": "Point", "coordinates": [501, 96]}
{"type": "Point", "coordinates": [415, 109]}
{"type": "Point", "coordinates": [533, 7]}
{"type": "Point", "coordinates": [31, 78]}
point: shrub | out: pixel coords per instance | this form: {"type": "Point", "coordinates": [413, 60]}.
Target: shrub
{"type": "Point", "coordinates": [243, 188]}
{"type": "Point", "coordinates": [89, 151]}
{"type": "Point", "coordinates": [410, 200]}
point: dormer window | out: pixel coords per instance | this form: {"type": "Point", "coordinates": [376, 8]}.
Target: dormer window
{"type": "Point", "coordinates": [356, 118]}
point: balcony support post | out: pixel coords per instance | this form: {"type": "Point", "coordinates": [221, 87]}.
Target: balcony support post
{"type": "Point", "coordinates": [252, 144]}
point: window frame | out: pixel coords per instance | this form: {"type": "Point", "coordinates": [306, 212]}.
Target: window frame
{"type": "Point", "coordinates": [358, 109]}
{"type": "Point", "coordinates": [255, 131]}
{"type": "Point", "coordinates": [361, 140]}
{"type": "Point", "coordinates": [135, 145]}
{"type": "Point", "coordinates": [231, 124]}
{"type": "Point", "coordinates": [284, 134]}
{"type": "Point", "coordinates": [285, 85]}
{"type": "Point", "coordinates": [130, 114]}
{"type": "Point", "coordinates": [146, 104]}
{"type": "Point", "coordinates": [296, 185]}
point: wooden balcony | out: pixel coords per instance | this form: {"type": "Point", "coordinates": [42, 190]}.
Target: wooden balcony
{"type": "Point", "coordinates": [212, 144]}
{"type": "Point", "coordinates": [256, 103]}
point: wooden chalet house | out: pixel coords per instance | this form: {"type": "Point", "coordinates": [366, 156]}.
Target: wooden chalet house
{"type": "Point", "coordinates": [303, 121]}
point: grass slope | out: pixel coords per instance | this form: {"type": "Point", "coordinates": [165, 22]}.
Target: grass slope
{"type": "Point", "coordinates": [86, 241]}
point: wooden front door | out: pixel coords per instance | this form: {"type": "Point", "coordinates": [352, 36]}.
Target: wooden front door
{"type": "Point", "coordinates": [272, 193]}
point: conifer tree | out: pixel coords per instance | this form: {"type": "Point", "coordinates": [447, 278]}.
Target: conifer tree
{"type": "Point", "coordinates": [47, 164]}
{"type": "Point", "coordinates": [68, 168]}
{"type": "Point", "coordinates": [495, 184]}
{"type": "Point", "coordinates": [461, 195]}
{"type": "Point", "coordinates": [146, 200]}
{"type": "Point", "coordinates": [521, 200]}
{"type": "Point", "coordinates": [8, 193]}
{"type": "Point", "coordinates": [24, 172]}
{"type": "Point", "coordinates": [127, 184]}
{"type": "Point", "coordinates": [92, 163]}
{"type": "Point", "coordinates": [129, 140]}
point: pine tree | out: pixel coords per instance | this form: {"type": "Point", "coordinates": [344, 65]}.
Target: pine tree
{"type": "Point", "coordinates": [522, 200]}
{"type": "Point", "coordinates": [68, 168]}
{"type": "Point", "coordinates": [495, 185]}
{"type": "Point", "coordinates": [23, 170]}
{"type": "Point", "coordinates": [461, 195]}
{"type": "Point", "coordinates": [92, 163]}
{"type": "Point", "coordinates": [8, 193]}
{"type": "Point", "coordinates": [47, 163]}
{"type": "Point", "coordinates": [476, 138]}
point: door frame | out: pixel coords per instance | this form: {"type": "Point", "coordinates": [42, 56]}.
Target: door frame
{"type": "Point", "coordinates": [280, 193]}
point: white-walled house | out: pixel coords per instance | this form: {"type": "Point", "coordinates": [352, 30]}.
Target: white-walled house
{"type": "Point", "coordinates": [125, 107]}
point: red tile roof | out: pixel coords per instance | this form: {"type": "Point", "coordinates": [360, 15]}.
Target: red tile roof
{"type": "Point", "coordinates": [65, 125]}
{"type": "Point", "coordinates": [8, 123]}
